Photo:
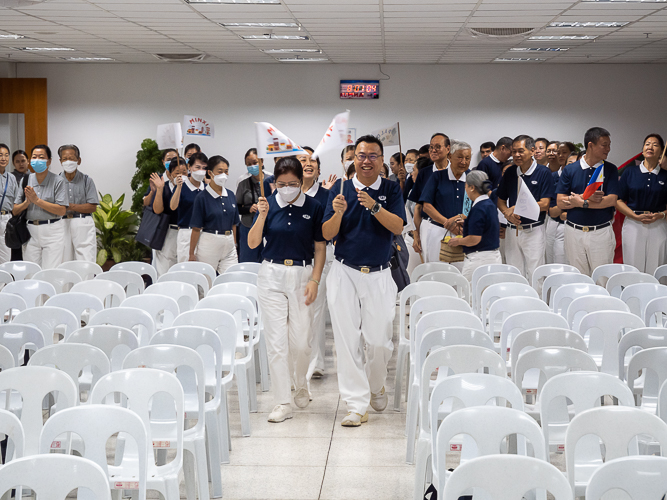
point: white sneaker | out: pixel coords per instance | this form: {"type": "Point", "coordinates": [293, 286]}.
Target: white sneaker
{"type": "Point", "coordinates": [302, 398]}
{"type": "Point", "coordinates": [354, 419]}
{"type": "Point", "coordinates": [379, 401]}
{"type": "Point", "coordinates": [280, 413]}
{"type": "Point", "coordinates": [317, 373]}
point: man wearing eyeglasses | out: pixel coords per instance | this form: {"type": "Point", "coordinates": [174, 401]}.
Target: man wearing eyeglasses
{"type": "Point", "coordinates": [439, 153]}
{"type": "Point", "coordinates": [360, 289]}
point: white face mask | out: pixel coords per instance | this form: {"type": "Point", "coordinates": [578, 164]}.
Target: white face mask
{"type": "Point", "coordinates": [348, 163]}
{"type": "Point", "coordinates": [69, 166]}
{"type": "Point", "coordinates": [198, 175]}
{"type": "Point", "coordinates": [220, 180]}
{"type": "Point", "coordinates": [409, 167]}
{"type": "Point", "coordinates": [289, 193]}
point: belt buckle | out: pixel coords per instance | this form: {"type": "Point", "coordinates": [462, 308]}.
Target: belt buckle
{"type": "Point", "coordinates": [70, 216]}
{"type": "Point", "coordinates": [289, 262]}
{"type": "Point", "coordinates": [35, 222]}
{"type": "Point", "coordinates": [585, 229]}
{"type": "Point", "coordinates": [227, 233]}
{"type": "Point", "coordinates": [520, 227]}
{"type": "Point", "coordinates": [365, 270]}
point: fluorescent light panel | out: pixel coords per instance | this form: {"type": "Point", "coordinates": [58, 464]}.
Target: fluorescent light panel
{"type": "Point", "coordinates": [13, 37]}
{"type": "Point", "coordinates": [563, 37]}
{"type": "Point", "coordinates": [259, 25]}
{"type": "Point", "coordinates": [287, 51]}
{"type": "Point", "coordinates": [46, 49]}
{"type": "Point", "coordinates": [87, 59]}
{"type": "Point", "coordinates": [240, 2]}
{"type": "Point", "coordinates": [275, 37]}
{"type": "Point", "coordinates": [302, 59]}
{"type": "Point", "coordinates": [588, 24]}
{"type": "Point", "coordinates": [518, 59]}
{"type": "Point", "coordinates": [539, 49]}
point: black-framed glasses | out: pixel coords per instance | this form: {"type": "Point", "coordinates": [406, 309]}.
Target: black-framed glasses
{"type": "Point", "coordinates": [363, 157]}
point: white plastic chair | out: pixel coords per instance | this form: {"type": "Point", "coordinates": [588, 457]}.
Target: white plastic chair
{"type": "Point", "coordinates": [652, 362]}
{"type": "Point", "coordinates": [17, 337]}
{"type": "Point", "coordinates": [109, 292]}
{"type": "Point", "coordinates": [638, 296]}
{"type": "Point", "coordinates": [186, 295]}
{"type": "Point", "coordinates": [655, 312]}
{"type": "Point", "coordinates": [87, 270]}
{"type": "Point", "coordinates": [581, 306]}
{"type": "Point", "coordinates": [639, 338]}
{"type": "Point", "coordinates": [52, 321]}
{"type": "Point", "coordinates": [251, 267]}
{"type": "Point", "coordinates": [555, 281]}
{"type": "Point", "coordinates": [544, 336]}
{"type": "Point", "coordinates": [236, 276]}
{"type": "Point", "coordinates": [10, 426]}
{"type": "Point", "coordinates": [132, 283]}
{"type": "Point", "coordinates": [641, 477]}
{"type": "Point", "coordinates": [491, 279]}
{"type": "Point", "coordinates": [132, 318]}
{"type": "Point", "coordinates": [82, 305]}
{"type": "Point", "coordinates": [61, 279]}
{"type": "Point", "coordinates": [95, 424]}
{"type": "Point", "coordinates": [141, 268]}
{"type": "Point", "coordinates": [197, 267]}
{"type": "Point", "coordinates": [617, 427]}
{"type": "Point", "coordinates": [455, 280]}
{"type": "Point", "coordinates": [545, 270]}
{"type": "Point", "coordinates": [661, 273]}
{"type": "Point", "coordinates": [499, 291]}
{"type": "Point", "coordinates": [32, 291]}
{"type": "Point", "coordinates": [602, 331]}
{"type": "Point", "coordinates": [431, 267]}
{"type": "Point", "coordinates": [10, 304]}
{"type": "Point", "coordinates": [507, 477]}
{"type": "Point", "coordinates": [488, 269]}
{"type": "Point", "coordinates": [619, 281]}
{"type": "Point", "coordinates": [195, 279]}
{"type": "Point", "coordinates": [526, 320]}
{"type": "Point", "coordinates": [563, 297]}
{"type": "Point", "coordinates": [53, 477]}
{"type": "Point", "coordinates": [162, 308]}
{"type": "Point", "coordinates": [140, 386]}
{"type": "Point", "coordinates": [115, 341]}
{"type": "Point", "coordinates": [5, 278]}
{"type": "Point", "coordinates": [606, 271]}
{"type": "Point", "coordinates": [20, 269]}
{"type": "Point", "coordinates": [502, 308]}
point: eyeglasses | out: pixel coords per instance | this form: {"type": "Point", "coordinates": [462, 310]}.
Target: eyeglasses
{"type": "Point", "coordinates": [437, 147]}
{"type": "Point", "coordinates": [288, 184]}
{"type": "Point", "coordinates": [362, 157]}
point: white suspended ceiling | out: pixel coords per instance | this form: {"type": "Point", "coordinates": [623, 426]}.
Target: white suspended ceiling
{"type": "Point", "coordinates": [338, 31]}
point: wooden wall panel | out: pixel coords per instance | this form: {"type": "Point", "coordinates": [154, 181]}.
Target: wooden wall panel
{"type": "Point", "coordinates": [27, 96]}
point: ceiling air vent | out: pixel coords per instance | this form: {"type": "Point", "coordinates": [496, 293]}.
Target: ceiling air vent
{"type": "Point", "coordinates": [500, 32]}
{"type": "Point", "coordinates": [181, 57]}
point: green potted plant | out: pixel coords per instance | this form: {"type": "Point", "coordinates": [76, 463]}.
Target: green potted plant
{"type": "Point", "coordinates": [149, 160]}
{"type": "Point", "coordinates": [115, 232]}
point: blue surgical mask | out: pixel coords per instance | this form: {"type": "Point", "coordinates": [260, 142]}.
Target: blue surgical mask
{"type": "Point", "coordinates": [38, 166]}
{"type": "Point", "coordinates": [253, 169]}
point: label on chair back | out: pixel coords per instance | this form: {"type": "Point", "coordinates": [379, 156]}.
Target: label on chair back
{"type": "Point", "coordinates": [161, 444]}
{"type": "Point", "coordinates": [56, 445]}
{"type": "Point", "coordinates": [455, 447]}
{"type": "Point", "coordinates": [126, 485]}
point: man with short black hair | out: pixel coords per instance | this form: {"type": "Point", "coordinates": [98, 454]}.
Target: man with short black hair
{"type": "Point", "coordinates": [486, 149]}
{"type": "Point", "coordinates": [541, 151]}
{"type": "Point", "coordinates": [493, 164]}
{"type": "Point", "coordinates": [423, 151]}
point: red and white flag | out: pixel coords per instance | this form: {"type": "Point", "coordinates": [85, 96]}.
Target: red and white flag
{"type": "Point", "coordinates": [336, 135]}
{"type": "Point", "coordinates": [271, 142]}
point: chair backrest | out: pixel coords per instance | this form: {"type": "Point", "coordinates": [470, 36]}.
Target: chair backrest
{"type": "Point", "coordinates": [660, 274]}
{"type": "Point", "coordinates": [95, 424]}
{"type": "Point", "coordinates": [488, 280]}
{"type": "Point", "coordinates": [643, 338]}
{"type": "Point", "coordinates": [455, 280]}
{"type": "Point", "coordinates": [140, 268]}
{"type": "Point", "coordinates": [641, 477]}
{"type": "Point", "coordinates": [50, 321]}
{"type": "Point", "coordinates": [33, 383]}
{"type": "Point", "coordinates": [551, 361]}
{"type": "Point", "coordinates": [236, 276]}
{"type": "Point", "coordinates": [662, 402]}
{"type": "Point", "coordinates": [6, 358]}
{"type": "Point", "coordinates": [605, 271]}
{"type": "Point", "coordinates": [419, 290]}
{"type": "Point", "coordinates": [429, 304]}
{"type": "Point", "coordinates": [490, 269]}
{"type": "Point", "coordinates": [197, 267]}
{"type": "Point", "coordinates": [77, 303]}
{"type": "Point", "coordinates": [526, 320]}
{"type": "Point", "coordinates": [61, 279]}
{"type": "Point", "coordinates": [545, 270]}
{"type": "Point", "coordinates": [110, 293]}
{"type": "Point", "coordinates": [31, 290]}
{"type": "Point", "coordinates": [15, 336]}
{"type": "Point", "coordinates": [251, 267]}
{"type": "Point", "coordinates": [555, 281]}
{"type": "Point", "coordinates": [193, 278]}
{"type": "Point", "coordinates": [9, 305]}
{"type": "Point", "coordinates": [617, 283]}
{"type": "Point", "coordinates": [162, 308]}
{"type": "Point", "coordinates": [638, 296]}
{"type": "Point", "coordinates": [186, 295]}
{"type": "Point", "coordinates": [431, 267]}
{"type": "Point", "coordinates": [5, 278]}
{"type": "Point", "coordinates": [20, 269]}
{"type": "Point", "coordinates": [544, 336]}
{"type": "Point", "coordinates": [11, 427]}
{"type": "Point", "coordinates": [115, 341]}
{"type": "Point", "coordinates": [507, 477]}
{"type": "Point", "coordinates": [581, 306]}
{"type": "Point", "coordinates": [655, 312]}
{"type": "Point", "coordinates": [241, 308]}
{"type": "Point", "coordinates": [54, 476]}
{"type": "Point", "coordinates": [502, 308]}
{"type": "Point", "coordinates": [499, 291]}
{"type": "Point", "coordinates": [132, 283]}
{"type": "Point", "coordinates": [564, 295]}
{"type": "Point", "coordinates": [137, 320]}
{"type": "Point", "coordinates": [247, 290]}
{"type": "Point", "coordinates": [441, 319]}
{"type": "Point", "coordinates": [451, 335]}
{"type": "Point", "coordinates": [652, 363]}
{"type": "Point", "coordinates": [87, 270]}
{"type": "Point", "coordinates": [602, 331]}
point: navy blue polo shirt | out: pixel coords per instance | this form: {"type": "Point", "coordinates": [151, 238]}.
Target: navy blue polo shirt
{"type": "Point", "coordinates": [167, 193]}
{"type": "Point", "coordinates": [407, 188]}
{"type": "Point", "coordinates": [184, 210]}
{"type": "Point", "coordinates": [268, 180]}
{"type": "Point", "coordinates": [291, 230]}
{"type": "Point", "coordinates": [213, 212]}
{"type": "Point", "coordinates": [482, 221]}
{"type": "Point", "coordinates": [362, 240]}
{"type": "Point", "coordinates": [319, 193]}
{"type": "Point", "coordinates": [539, 180]}
{"type": "Point", "coordinates": [492, 168]}
{"type": "Point", "coordinates": [422, 178]}
{"type": "Point", "coordinates": [643, 191]}
{"type": "Point", "coordinates": [445, 192]}
{"type": "Point", "coordinates": [574, 179]}
{"type": "Point", "coordinates": [554, 199]}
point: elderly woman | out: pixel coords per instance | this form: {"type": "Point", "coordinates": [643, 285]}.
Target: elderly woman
{"type": "Point", "coordinates": [481, 229]}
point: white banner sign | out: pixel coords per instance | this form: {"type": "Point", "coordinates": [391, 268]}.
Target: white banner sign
{"type": "Point", "coordinates": [336, 135]}
{"type": "Point", "coordinates": [526, 206]}
{"type": "Point", "coordinates": [198, 127]}
{"type": "Point", "coordinates": [169, 136]}
{"type": "Point", "coordinates": [388, 136]}
{"type": "Point", "coordinates": [271, 142]}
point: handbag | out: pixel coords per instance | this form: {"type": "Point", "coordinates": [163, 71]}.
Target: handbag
{"type": "Point", "coordinates": [450, 254]}
{"type": "Point", "coordinates": [399, 263]}
{"type": "Point", "coordinates": [16, 230]}
{"type": "Point", "coordinates": [153, 229]}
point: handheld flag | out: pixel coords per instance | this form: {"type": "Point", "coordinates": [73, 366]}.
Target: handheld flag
{"type": "Point", "coordinates": [271, 142]}
{"type": "Point", "coordinates": [336, 135]}
{"type": "Point", "coordinates": [595, 183]}
{"type": "Point", "coordinates": [526, 206]}
{"type": "Point", "coordinates": [389, 136]}
{"type": "Point", "coordinates": [199, 127]}
{"type": "Point", "coordinates": [169, 136]}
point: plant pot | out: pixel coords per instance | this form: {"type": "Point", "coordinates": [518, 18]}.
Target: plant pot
{"type": "Point", "coordinates": [108, 265]}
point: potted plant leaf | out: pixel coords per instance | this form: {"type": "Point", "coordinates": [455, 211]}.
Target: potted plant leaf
{"type": "Point", "coordinates": [115, 231]}
{"type": "Point", "coordinates": [149, 160]}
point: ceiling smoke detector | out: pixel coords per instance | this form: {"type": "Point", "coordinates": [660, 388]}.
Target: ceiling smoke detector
{"type": "Point", "coordinates": [500, 32]}
{"type": "Point", "coordinates": [181, 57]}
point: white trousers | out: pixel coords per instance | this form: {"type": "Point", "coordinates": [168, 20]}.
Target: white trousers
{"type": "Point", "coordinates": [586, 251]}
{"type": "Point", "coordinates": [555, 242]}
{"type": "Point", "coordinates": [474, 260]}
{"type": "Point", "coordinates": [216, 249]}
{"type": "Point", "coordinates": [319, 319]}
{"type": "Point", "coordinates": [644, 245]}
{"type": "Point", "coordinates": [45, 246]}
{"type": "Point", "coordinates": [80, 239]}
{"type": "Point", "coordinates": [287, 325]}
{"type": "Point", "coordinates": [165, 258]}
{"type": "Point", "coordinates": [362, 309]}
{"type": "Point", "coordinates": [183, 245]}
{"type": "Point", "coordinates": [414, 258]}
{"type": "Point", "coordinates": [525, 251]}
{"type": "Point", "coordinates": [431, 238]}
{"type": "Point", "coordinates": [5, 252]}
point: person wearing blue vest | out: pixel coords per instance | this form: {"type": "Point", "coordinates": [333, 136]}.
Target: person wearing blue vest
{"type": "Point", "coordinates": [524, 248]}
{"type": "Point", "coordinates": [363, 214]}
{"type": "Point", "coordinates": [492, 164]}
{"type": "Point", "coordinates": [589, 236]}
{"type": "Point", "coordinates": [291, 224]}
{"type": "Point", "coordinates": [442, 201]}
{"type": "Point", "coordinates": [642, 198]}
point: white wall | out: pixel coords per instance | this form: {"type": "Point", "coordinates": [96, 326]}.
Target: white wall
{"type": "Point", "coordinates": [107, 110]}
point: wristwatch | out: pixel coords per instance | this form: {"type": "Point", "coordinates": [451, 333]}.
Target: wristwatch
{"type": "Point", "coordinates": [585, 204]}
{"type": "Point", "coordinates": [376, 208]}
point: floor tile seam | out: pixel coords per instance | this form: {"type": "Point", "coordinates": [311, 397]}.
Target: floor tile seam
{"type": "Point", "coordinates": [326, 462]}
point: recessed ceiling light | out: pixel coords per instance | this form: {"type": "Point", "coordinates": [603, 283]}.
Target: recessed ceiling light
{"type": "Point", "coordinates": [275, 37]}
{"type": "Point", "coordinates": [13, 37]}
{"type": "Point", "coordinates": [588, 24]}
{"type": "Point", "coordinates": [286, 51]}
{"type": "Point", "coordinates": [518, 59]}
{"type": "Point", "coordinates": [539, 49]}
{"type": "Point", "coordinates": [302, 59]}
{"type": "Point", "coordinates": [235, 1]}
{"type": "Point", "coordinates": [44, 48]}
{"type": "Point", "coordinates": [259, 25]}
{"type": "Point", "coordinates": [563, 37]}
{"type": "Point", "coordinates": [87, 59]}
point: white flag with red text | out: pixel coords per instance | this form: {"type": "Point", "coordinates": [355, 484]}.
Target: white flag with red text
{"type": "Point", "coordinates": [271, 142]}
{"type": "Point", "coordinates": [336, 135]}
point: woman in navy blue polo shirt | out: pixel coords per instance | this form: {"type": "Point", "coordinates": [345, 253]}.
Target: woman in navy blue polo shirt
{"type": "Point", "coordinates": [481, 228]}
{"type": "Point", "coordinates": [642, 199]}
{"type": "Point", "coordinates": [291, 225]}
{"type": "Point", "coordinates": [215, 219]}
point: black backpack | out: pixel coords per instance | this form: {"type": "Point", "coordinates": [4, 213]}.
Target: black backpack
{"type": "Point", "coordinates": [16, 231]}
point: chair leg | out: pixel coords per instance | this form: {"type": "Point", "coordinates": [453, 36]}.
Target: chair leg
{"type": "Point", "coordinates": [263, 364]}
{"type": "Point", "coordinates": [223, 429]}
{"type": "Point", "coordinates": [411, 423]}
{"type": "Point", "coordinates": [252, 387]}
{"type": "Point", "coordinates": [244, 398]}
{"type": "Point", "coordinates": [214, 454]}
{"type": "Point", "coordinates": [408, 376]}
{"type": "Point", "coordinates": [423, 453]}
{"type": "Point", "coordinates": [398, 381]}
{"type": "Point", "coordinates": [202, 470]}
{"type": "Point", "coordinates": [189, 476]}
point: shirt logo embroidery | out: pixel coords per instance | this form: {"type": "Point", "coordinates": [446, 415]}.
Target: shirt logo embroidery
{"type": "Point", "coordinates": [661, 183]}
{"type": "Point", "coordinates": [533, 182]}
{"type": "Point", "coordinates": [233, 206]}
{"type": "Point", "coordinates": [306, 216]}
{"type": "Point", "coordinates": [382, 198]}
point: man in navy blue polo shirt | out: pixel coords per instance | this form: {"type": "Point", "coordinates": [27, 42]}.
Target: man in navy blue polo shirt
{"type": "Point", "coordinates": [439, 153]}
{"type": "Point", "coordinates": [589, 236]}
{"type": "Point", "coordinates": [525, 238]}
{"type": "Point", "coordinates": [360, 289]}
{"type": "Point", "coordinates": [493, 164]}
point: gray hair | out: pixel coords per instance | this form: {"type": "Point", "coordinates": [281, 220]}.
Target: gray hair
{"type": "Point", "coordinates": [479, 180]}
{"type": "Point", "coordinates": [459, 146]}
